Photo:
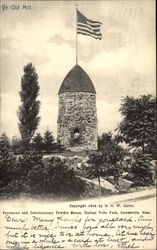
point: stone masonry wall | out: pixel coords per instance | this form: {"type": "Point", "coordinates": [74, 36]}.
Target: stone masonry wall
{"type": "Point", "coordinates": [77, 110]}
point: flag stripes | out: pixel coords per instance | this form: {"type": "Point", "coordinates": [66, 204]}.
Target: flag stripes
{"type": "Point", "coordinates": [90, 33]}
{"type": "Point", "coordinates": [88, 27]}
{"type": "Point", "coordinates": [87, 34]}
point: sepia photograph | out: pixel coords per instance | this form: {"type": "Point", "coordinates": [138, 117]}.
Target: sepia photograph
{"type": "Point", "coordinates": [78, 124]}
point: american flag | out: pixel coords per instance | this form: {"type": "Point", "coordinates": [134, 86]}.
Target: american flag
{"type": "Point", "coordinates": [88, 27]}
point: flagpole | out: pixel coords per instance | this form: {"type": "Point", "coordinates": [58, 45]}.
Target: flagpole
{"type": "Point", "coordinates": [76, 39]}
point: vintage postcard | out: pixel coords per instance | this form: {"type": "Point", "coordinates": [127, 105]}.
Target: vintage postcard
{"type": "Point", "coordinates": [77, 128]}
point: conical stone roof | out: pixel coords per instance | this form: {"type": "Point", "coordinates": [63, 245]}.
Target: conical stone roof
{"type": "Point", "coordinates": [77, 80]}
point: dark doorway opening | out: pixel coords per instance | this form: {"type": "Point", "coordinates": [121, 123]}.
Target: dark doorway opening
{"type": "Point", "coordinates": [76, 135]}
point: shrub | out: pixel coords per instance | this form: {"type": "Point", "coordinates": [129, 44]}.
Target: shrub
{"type": "Point", "coordinates": [29, 176]}
{"type": "Point", "coordinates": [62, 181]}
{"type": "Point", "coordinates": [48, 141]}
{"type": "Point", "coordinates": [19, 172]}
{"type": "Point", "coordinates": [7, 161]}
{"type": "Point", "coordinates": [17, 145]}
{"type": "Point", "coordinates": [37, 142]}
{"type": "Point", "coordinates": [142, 168]}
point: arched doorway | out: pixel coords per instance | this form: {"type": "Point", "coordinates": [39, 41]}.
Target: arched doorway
{"type": "Point", "coordinates": [76, 137]}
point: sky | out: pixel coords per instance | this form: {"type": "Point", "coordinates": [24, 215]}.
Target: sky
{"type": "Point", "coordinates": [122, 63]}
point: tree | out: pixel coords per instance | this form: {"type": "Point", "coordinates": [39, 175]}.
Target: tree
{"type": "Point", "coordinates": [26, 164]}
{"type": "Point", "coordinates": [62, 181]}
{"type": "Point", "coordinates": [112, 153]}
{"type": "Point", "coordinates": [48, 140]}
{"type": "Point", "coordinates": [108, 160]}
{"type": "Point", "coordinates": [151, 149]}
{"type": "Point", "coordinates": [139, 124]}
{"type": "Point", "coordinates": [4, 142]}
{"type": "Point", "coordinates": [104, 139]}
{"type": "Point", "coordinates": [142, 168]}
{"type": "Point", "coordinates": [7, 160]}
{"type": "Point", "coordinates": [95, 170]}
{"type": "Point", "coordinates": [29, 109]}
{"type": "Point", "coordinates": [16, 145]}
{"type": "Point", "coordinates": [38, 142]}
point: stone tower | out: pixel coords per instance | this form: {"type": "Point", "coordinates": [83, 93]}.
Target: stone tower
{"type": "Point", "coordinates": [77, 116]}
